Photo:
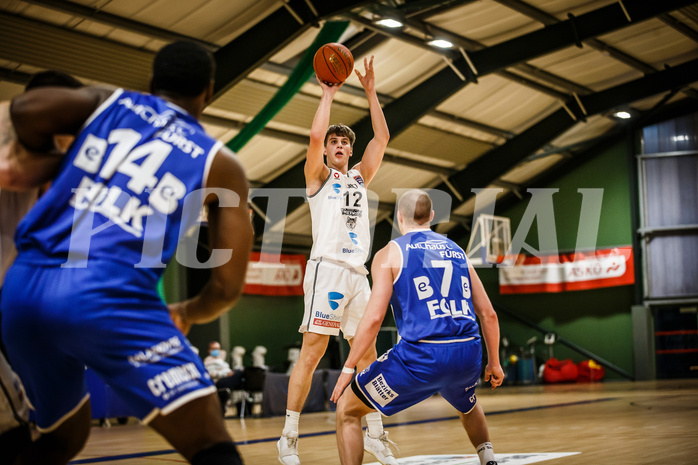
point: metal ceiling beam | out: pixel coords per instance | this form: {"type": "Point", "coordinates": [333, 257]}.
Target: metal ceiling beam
{"type": "Point", "coordinates": [407, 109]}
{"type": "Point", "coordinates": [256, 45]}
{"type": "Point", "coordinates": [468, 45]}
{"type": "Point", "coordinates": [683, 28]}
{"type": "Point", "coordinates": [14, 76]}
{"type": "Point", "coordinates": [574, 30]}
{"type": "Point", "coordinates": [100, 16]}
{"type": "Point", "coordinates": [548, 20]}
{"type": "Point", "coordinates": [427, 95]}
{"type": "Point", "coordinates": [493, 164]}
{"type": "Point", "coordinates": [430, 8]}
{"type": "Point", "coordinates": [301, 139]}
{"type": "Point", "coordinates": [564, 167]}
{"type": "Point", "coordinates": [385, 99]}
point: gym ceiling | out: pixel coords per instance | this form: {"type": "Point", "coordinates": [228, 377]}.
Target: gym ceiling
{"type": "Point", "coordinates": [527, 90]}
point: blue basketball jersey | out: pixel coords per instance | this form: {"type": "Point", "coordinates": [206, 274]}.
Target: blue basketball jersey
{"type": "Point", "coordinates": [432, 297]}
{"type": "Point", "coordinates": [130, 182]}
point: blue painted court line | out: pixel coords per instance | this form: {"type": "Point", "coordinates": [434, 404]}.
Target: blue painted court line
{"type": "Point", "coordinates": [327, 433]}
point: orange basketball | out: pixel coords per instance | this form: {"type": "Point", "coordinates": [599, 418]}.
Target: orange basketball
{"type": "Point", "coordinates": [333, 63]}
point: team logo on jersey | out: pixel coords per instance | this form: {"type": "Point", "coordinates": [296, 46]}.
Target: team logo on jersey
{"type": "Point", "coordinates": [334, 298]}
{"type": "Point", "coordinates": [359, 179]}
{"type": "Point", "coordinates": [335, 187]}
{"type": "Point", "coordinates": [351, 223]}
{"type": "Point", "coordinates": [354, 238]}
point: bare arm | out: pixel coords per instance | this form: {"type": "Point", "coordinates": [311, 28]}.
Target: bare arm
{"type": "Point", "coordinates": [229, 229]}
{"type": "Point", "coordinates": [316, 171]}
{"type": "Point", "coordinates": [373, 155]}
{"type": "Point", "coordinates": [40, 114]}
{"type": "Point", "coordinates": [490, 329]}
{"type": "Point", "coordinates": [21, 169]}
{"type": "Point", "coordinates": [383, 274]}
{"type": "Point", "coordinates": [28, 156]}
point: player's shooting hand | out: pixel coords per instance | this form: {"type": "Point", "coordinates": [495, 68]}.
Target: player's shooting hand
{"type": "Point", "coordinates": [342, 383]}
{"type": "Point", "coordinates": [494, 374]}
{"type": "Point", "coordinates": [179, 317]}
{"type": "Point", "coordinates": [330, 89]}
{"type": "Point", "coordinates": [368, 79]}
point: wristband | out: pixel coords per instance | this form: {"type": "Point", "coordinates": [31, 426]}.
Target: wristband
{"type": "Point", "coordinates": [349, 371]}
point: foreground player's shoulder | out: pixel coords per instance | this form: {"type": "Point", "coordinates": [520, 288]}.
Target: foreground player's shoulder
{"type": "Point", "coordinates": [226, 171]}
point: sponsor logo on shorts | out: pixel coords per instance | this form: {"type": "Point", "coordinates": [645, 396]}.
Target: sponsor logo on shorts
{"type": "Point", "coordinates": [354, 238]}
{"type": "Point", "coordinates": [175, 380]}
{"type": "Point", "coordinates": [327, 316]}
{"type": "Point", "coordinates": [157, 352]}
{"type": "Point", "coordinates": [325, 323]}
{"type": "Point", "coordinates": [333, 298]}
{"type": "Point", "coordinates": [379, 391]}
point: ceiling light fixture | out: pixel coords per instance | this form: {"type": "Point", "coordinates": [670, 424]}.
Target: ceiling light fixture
{"type": "Point", "coordinates": [622, 115]}
{"type": "Point", "coordinates": [389, 22]}
{"type": "Point", "coordinates": [440, 43]}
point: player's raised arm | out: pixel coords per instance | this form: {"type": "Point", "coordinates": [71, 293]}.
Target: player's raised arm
{"type": "Point", "coordinates": [20, 169]}
{"type": "Point", "coordinates": [383, 271]}
{"type": "Point", "coordinates": [39, 114]}
{"type": "Point", "coordinates": [230, 228]}
{"type": "Point", "coordinates": [490, 328]}
{"type": "Point", "coordinates": [373, 155]}
{"type": "Point", "coordinates": [315, 169]}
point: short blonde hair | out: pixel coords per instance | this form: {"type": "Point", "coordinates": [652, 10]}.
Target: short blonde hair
{"type": "Point", "coordinates": [415, 206]}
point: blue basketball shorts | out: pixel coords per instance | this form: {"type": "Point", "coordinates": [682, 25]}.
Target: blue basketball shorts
{"type": "Point", "coordinates": [412, 372]}
{"type": "Point", "coordinates": [58, 321]}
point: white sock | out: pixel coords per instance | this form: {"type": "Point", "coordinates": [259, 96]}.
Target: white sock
{"type": "Point", "coordinates": [291, 424]}
{"type": "Point", "coordinates": [485, 452]}
{"type": "Point", "coordinates": [375, 424]}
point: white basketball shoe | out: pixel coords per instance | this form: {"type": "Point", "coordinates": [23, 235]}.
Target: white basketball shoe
{"type": "Point", "coordinates": [288, 448]}
{"type": "Point", "coordinates": [380, 448]}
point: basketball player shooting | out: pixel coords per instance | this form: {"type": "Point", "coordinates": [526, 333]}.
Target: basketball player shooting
{"type": "Point", "coordinates": [435, 295]}
{"type": "Point", "coordinates": [336, 287]}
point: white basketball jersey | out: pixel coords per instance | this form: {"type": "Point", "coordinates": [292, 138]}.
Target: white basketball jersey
{"type": "Point", "coordinates": [339, 214]}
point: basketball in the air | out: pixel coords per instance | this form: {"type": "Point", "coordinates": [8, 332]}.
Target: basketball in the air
{"type": "Point", "coordinates": [333, 63]}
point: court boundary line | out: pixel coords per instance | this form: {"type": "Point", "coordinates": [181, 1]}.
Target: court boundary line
{"type": "Point", "coordinates": [113, 458]}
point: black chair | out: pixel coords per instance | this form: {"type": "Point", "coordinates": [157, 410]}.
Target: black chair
{"type": "Point", "coordinates": [253, 385]}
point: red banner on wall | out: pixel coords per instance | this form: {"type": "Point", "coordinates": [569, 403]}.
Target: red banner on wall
{"type": "Point", "coordinates": [275, 274]}
{"type": "Point", "coordinates": [568, 272]}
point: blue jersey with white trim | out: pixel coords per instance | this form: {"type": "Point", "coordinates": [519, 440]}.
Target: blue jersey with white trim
{"type": "Point", "coordinates": [432, 298]}
{"type": "Point", "coordinates": [128, 187]}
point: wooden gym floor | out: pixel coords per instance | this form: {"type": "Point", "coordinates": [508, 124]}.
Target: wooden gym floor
{"type": "Point", "coordinates": [650, 422]}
